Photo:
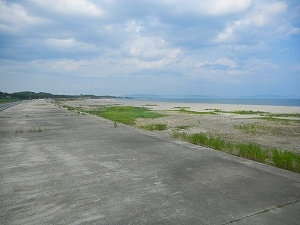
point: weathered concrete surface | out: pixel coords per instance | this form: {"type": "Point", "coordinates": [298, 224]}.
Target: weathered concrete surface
{"type": "Point", "coordinates": [81, 170]}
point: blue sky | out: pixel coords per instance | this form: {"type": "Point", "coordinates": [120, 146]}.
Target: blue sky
{"type": "Point", "coordinates": [226, 48]}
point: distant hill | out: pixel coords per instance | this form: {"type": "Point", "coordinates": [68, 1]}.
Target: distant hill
{"type": "Point", "coordinates": [25, 95]}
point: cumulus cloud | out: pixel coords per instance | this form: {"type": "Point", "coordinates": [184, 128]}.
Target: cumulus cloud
{"type": "Point", "coordinates": [208, 41]}
{"type": "Point", "coordinates": [212, 7]}
{"type": "Point", "coordinates": [149, 47]}
{"type": "Point", "coordinates": [263, 15]}
{"type": "Point", "coordinates": [68, 65]}
{"type": "Point", "coordinates": [72, 7]}
{"type": "Point", "coordinates": [223, 62]}
{"type": "Point", "coordinates": [69, 44]}
{"type": "Point", "coordinates": [134, 26]}
{"type": "Point", "coordinates": [14, 17]}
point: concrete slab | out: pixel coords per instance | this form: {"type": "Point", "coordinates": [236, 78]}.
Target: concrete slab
{"type": "Point", "coordinates": [60, 167]}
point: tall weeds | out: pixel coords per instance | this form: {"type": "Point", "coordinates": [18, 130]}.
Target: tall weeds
{"type": "Point", "coordinates": [283, 159]}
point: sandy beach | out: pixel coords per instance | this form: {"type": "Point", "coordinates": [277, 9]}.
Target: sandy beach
{"type": "Point", "coordinates": [200, 107]}
{"type": "Point", "coordinates": [282, 133]}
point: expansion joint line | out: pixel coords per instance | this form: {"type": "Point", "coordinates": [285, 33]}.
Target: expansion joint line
{"type": "Point", "coordinates": [263, 211]}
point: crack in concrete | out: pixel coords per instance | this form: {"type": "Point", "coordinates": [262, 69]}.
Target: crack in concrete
{"type": "Point", "coordinates": [261, 212]}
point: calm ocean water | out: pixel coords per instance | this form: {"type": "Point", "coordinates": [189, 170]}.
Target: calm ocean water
{"type": "Point", "coordinates": [274, 102]}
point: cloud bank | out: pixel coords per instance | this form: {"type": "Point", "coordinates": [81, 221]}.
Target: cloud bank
{"type": "Point", "coordinates": [227, 48]}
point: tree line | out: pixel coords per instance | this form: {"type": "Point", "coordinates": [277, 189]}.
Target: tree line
{"type": "Point", "coordinates": [27, 95]}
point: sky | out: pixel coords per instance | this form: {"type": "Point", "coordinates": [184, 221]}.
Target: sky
{"type": "Point", "coordinates": [225, 48]}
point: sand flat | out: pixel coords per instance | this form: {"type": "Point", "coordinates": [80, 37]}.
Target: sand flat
{"type": "Point", "coordinates": [157, 105]}
{"type": "Point", "coordinates": [283, 133]}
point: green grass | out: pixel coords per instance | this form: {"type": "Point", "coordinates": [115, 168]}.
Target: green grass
{"type": "Point", "coordinates": [158, 126]}
{"type": "Point", "coordinates": [150, 105]}
{"type": "Point", "coordinates": [286, 160]}
{"type": "Point", "coordinates": [282, 159]}
{"type": "Point", "coordinates": [248, 112]}
{"type": "Point", "coordinates": [181, 127]}
{"type": "Point", "coordinates": [252, 128]}
{"type": "Point", "coordinates": [252, 151]}
{"type": "Point", "coordinates": [181, 107]}
{"type": "Point", "coordinates": [266, 114]}
{"type": "Point", "coordinates": [34, 130]}
{"type": "Point", "coordinates": [182, 110]}
{"type": "Point", "coordinates": [283, 121]}
{"type": "Point", "coordinates": [297, 115]}
{"type": "Point", "coordinates": [124, 114]}
{"type": "Point", "coordinates": [4, 132]}
{"type": "Point", "coordinates": [7, 100]}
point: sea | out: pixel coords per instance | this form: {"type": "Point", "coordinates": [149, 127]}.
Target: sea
{"type": "Point", "coordinates": [240, 101]}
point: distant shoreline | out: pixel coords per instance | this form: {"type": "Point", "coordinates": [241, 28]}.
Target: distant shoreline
{"type": "Point", "coordinates": [155, 104]}
{"type": "Point", "coordinates": [234, 101]}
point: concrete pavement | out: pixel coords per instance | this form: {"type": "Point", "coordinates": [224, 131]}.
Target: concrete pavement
{"type": "Point", "coordinates": [60, 167]}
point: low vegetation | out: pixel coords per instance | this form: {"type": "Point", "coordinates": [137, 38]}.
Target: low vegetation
{"type": "Point", "coordinates": [247, 112]}
{"type": "Point", "coordinates": [182, 127]}
{"type": "Point", "coordinates": [34, 130]}
{"type": "Point", "coordinates": [157, 126]}
{"type": "Point", "coordinates": [283, 121]}
{"type": "Point", "coordinates": [124, 114]}
{"type": "Point", "coordinates": [7, 100]}
{"type": "Point", "coordinates": [282, 159]}
{"type": "Point", "coordinates": [183, 110]}
{"type": "Point", "coordinates": [253, 128]}
{"type": "Point", "coordinates": [272, 156]}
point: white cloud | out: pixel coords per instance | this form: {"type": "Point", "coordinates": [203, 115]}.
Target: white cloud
{"type": "Point", "coordinates": [227, 62]}
{"type": "Point", "coordinates": [69, 44]}
{"type": "Point", "coordinates": [211, 7]}
{"type": "Point", "coordinates": [255, 64]}
{"type": "Point", "coordinates": [133, 26]}
{"type": "Point", "coordinates": [262, 17]}
{"type": "Point", "coordinates": [68, 65]}
{"type": "Point", "coordinates": [217, 7]}
{"type": "Point", "coordinates": [223, 62]}
{"type": "Point", "coordinates": [140, 64]}
{"type": "Point", "coordinates": [150, 48]}
{"type": "Point", "coordinates": [71, 7]}
{"type": "Point", "coordinates": [14, 17]}
{"type": "Point", "coordinates": [61, 43]}
{"type": "Point", "coordinates": [196, 42]}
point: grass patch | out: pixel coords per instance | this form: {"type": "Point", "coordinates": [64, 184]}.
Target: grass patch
{"type": "Point", "coordinates": [7, 100]}
{"type": "Point", "coordinates": [266, 114]}
{"type": "Point", "coordinates": [34, 130]}
{"type": "Point", "coordinates": [4, 132]}
{"type": "Point", "coordinates": [282, 159]}
{"type": "Point", "coordinates": [215, 110]}
{"type": "Point", "coordinates": [158, 126]}
{"type": "Point", "coordinates": [252, 151]}
{"type": "Point", "coordinates": [283, 121]}
{"type": "Point", "coordinates": [150, 105]}
{"type": "Point", "coordinates": [248, 112]}
{"type": "Point", "coordinates": [182, 127]}
{"type": "Point", "coordinates": [286, 160]}
{"type": "Point", "coordinates": [297, 115]}
{"type": "Point", "coordinates": [124, 114]}
{"type": "Point", "coordinates": [195, 112]}
{"type": "Point", "coordinates": [181, 107]}
{"type": "Point", "coordinates": [252, 128]}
